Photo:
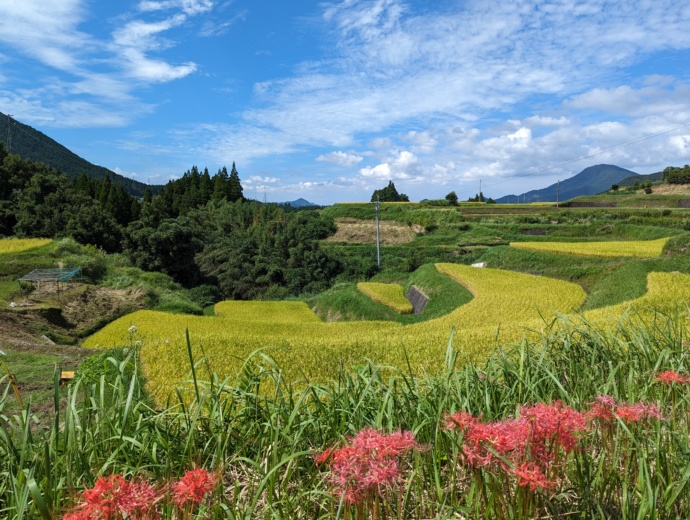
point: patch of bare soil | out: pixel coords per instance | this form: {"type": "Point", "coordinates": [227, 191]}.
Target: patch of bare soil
{"type": "Point", "coordinates": [672, 189]}
{"type": "Point", "coordinates": [46, 319]}
{"type": "Point", "coordinates": [99, 305]}
{"type": "Point", "coordinates": [356, 231]}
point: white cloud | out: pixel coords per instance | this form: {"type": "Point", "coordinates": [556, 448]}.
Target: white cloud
{"type": "Point", "coordinates": [257, 179]}
{"type": "Point", "coordinates": [545, 122]}
{"type": "Point", "coordinates": [404, 166]}
{"type": "Point", "coordinates": [91, 74]}
{"type": "Point", "coordinates": [124, 173]}
{"type": "Point", "coordinates": [46, 30]}
{"type": "Point", "coordinates": [672, 101]}
{"type": "Point", "coordinates": [133, 40]}
{"type": "Point", "coordinates": [46, 108]}
{"type": "Point", "coordinates": [341, 158]}
{"type": "Point", "coordinates": [422, 142]}
{"type": "Point", "coordinates": [190, 7]}
{"type": "Point", "coordinates": [217, 27]}
{"type": "Point", "coordinates": [395, 67]}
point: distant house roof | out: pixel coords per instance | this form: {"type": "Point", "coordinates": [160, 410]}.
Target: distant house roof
{"type": "Point", "coordinates": [51, 275]}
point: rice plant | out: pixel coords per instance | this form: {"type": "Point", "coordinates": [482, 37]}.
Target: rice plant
{"type": "Point", "coordinates": [584, 422]}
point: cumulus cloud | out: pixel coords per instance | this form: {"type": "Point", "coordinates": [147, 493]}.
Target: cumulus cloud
{"type": "Point", "coordinates": [341, 158]}
{"type": "Point", "coordinates": [395, 66]}
{"type": "Point", "coordinates": [421, 142]}
{"type": "Point", "coordinates": [673, 100]}
{"type": "Point", "coordinates": [124, 173]}
{"type": "Point", "coordinates": [404, 166]}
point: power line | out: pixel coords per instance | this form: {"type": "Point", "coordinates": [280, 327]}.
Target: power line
{"type": "Point", "coordinates": [9, 133]}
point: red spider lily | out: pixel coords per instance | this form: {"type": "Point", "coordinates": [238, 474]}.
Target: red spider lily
{"type": "Point", "coordinates": [638, 412]}
{"type": "Point", "coordinates": [670, 376]}
{"type": "Point", "coordinates": [486, 443]}
{"type": "Point", "coordinates": [606, 409]}
{"type": "Point", "coordinates": [192, 487]}
{"type": "Point", "coordinates": [115, 497]}
{"type": "Point", "coordinates": [462, 420]}
{"type": "Point", "coordinates": [530, 474]}
{"type": "Point", "coordinates": [368, 465]}
{"type": "Point", "coordinates": [541, 428]}
{"type": "Point", "coordinates": [552, 426]}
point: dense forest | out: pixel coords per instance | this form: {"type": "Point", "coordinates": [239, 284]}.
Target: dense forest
{"type": "Point", "coordinates": [199, 229]}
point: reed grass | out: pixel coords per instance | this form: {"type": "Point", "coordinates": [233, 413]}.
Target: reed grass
{"type": "Point", "coordinates": [262, 445]}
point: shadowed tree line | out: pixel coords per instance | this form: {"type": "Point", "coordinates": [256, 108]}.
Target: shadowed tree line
{"type": "Point", "coordinates": [199, 229]}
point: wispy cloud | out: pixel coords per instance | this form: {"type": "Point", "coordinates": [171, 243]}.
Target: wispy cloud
{"type": "Point", "coordinates": [94, 74]}
{"type": "Point", "coordinates": [452, 73]}
{"type": "Point", "coordinates": [46, 30]}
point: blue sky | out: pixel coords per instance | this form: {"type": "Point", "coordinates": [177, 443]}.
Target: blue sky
{"type": "Point", "coordinates": [330, 100]}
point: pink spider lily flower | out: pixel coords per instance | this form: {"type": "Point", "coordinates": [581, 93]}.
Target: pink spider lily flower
{"type": "Point", "coordinates": [488, 443]}
{"type": "Point", "coordinates": [603, 408]}
{"type": "Point", "coordinates": [461, 420]}
{"type": "Point", "coordinates": [606, 409]}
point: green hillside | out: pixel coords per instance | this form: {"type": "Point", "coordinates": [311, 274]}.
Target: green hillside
{"type": "Point", "coordinates": [32, 144]}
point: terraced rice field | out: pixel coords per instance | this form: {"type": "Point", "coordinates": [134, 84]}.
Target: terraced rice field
{"type": "Point", "coordinates": [507, 307]}
{"type": "Point", "coordinates": [389, 294]}
{"type": "Point", "coordinates": [266, 312]}
{"type": "Point", "coordinates": [637, 249]}
{"type": "Point", "coordinates": [17, 245]}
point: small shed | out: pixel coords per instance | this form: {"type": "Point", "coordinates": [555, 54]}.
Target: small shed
{"type": "Point", "coordinates": [47, 277]}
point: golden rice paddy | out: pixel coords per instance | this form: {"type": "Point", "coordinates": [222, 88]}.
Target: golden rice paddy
{"type": "Point", "coordinates": [507, 307]}
{"type": "Point", "coordinates": [17, 245]}
{"type": "Point", "coordinates": [638, 249]}
{"type": "Point", "coordinates": [389, 294]}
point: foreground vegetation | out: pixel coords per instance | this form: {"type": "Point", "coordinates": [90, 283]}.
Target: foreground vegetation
{"type": "Point", "coordinates": [613, 421]}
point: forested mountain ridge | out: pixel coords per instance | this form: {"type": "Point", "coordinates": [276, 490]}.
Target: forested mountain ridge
{"type": "Point", "coordinates": [589, 181]}
{"type": "Point", "coordinates": [29, 143]}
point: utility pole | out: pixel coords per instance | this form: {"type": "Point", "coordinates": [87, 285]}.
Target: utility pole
{"type": "Point", "coordinates": [378, 234]}
{"type": "Point", "coordinates": [558, 192]}
{"type": "Point", "coordinates": [9, 133]}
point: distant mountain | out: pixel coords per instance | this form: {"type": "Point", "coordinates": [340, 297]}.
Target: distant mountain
{"type": "Point", "coordinates": [299, 203]}
{"type": "Point", "coordinates": [589, 181]}
{"type": "Point", "coordinates": [29, 143]}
